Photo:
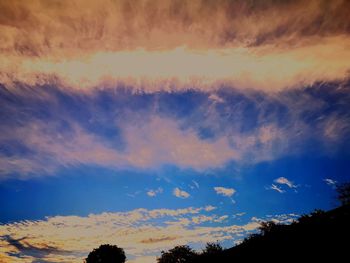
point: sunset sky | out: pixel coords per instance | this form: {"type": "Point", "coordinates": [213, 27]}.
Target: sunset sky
{"type": "Point", "coordinates": [154, 123]}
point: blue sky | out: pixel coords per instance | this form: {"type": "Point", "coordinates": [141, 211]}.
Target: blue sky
{"type": "Point", "coordinates": [299, 135]}
{"type": "Point", "coordinates": [147, 125]}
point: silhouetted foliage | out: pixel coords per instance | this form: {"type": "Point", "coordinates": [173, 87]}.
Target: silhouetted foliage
{"type": "Point", "coordinates": [267, 227]}
{"type": "Point", "coordinates": [211, 253]}
{"type": "Point", "coordinates": [179, 254]}
{"type": "Point", "coordinates": [212, 249]}
{"type": "Point", "coordinates": [316, 237]}
{"type": "Point", "coordinates": [344, 193]}
{"type": "Point", "coordinates": [106, 254]}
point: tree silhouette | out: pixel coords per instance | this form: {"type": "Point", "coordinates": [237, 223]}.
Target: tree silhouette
{"type": "Point", "coordinates": [267, 227]}
{"type": "Point", "coordinates": [179, 254]}
{"type": "Point", "coordinates": [344, 193]}
{"type": "Point", "coordinates": [106, 254]}
{"type": "Point", "coordinates": [212, 249]}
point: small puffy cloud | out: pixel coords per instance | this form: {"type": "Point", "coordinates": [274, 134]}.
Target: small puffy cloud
{"type": "Point", "coordinates": [281, 182]}
{"type": "Point", "coordinates": [285, 181]}
{"type": "Point", "coordinates": [330, 182]}
{"type": "Point", "coordinates": [224, 191]}
{"type": "Point", "coordinates": [180, 193]}
{"type": "Point", "coordinates": [209, 208]}
{"type": "Point", "coordinates": [155, 192]}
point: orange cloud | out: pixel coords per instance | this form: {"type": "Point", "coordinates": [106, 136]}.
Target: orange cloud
{"type": "Point", "coordinates": [67, 28]}
{"type": "Point", "coordinates": [155, 45]}
{"type": "Point", "coordinates": [268, 68]}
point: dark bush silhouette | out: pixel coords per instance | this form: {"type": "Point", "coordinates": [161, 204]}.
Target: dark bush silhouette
{"type": "Point", "coordinates": [106, 254]}
{"type": "Point", "coordinates": [212, 249]}
{"type": "Point", "coordinates": [211, 253]}
{"type": "Point", "coordinates": [179, 254]}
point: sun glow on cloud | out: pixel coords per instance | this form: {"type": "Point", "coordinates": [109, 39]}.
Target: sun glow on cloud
{"type": "Point", "coordinates": [152, 71]}
{"type": "Point", "coordinates": [135, 44]}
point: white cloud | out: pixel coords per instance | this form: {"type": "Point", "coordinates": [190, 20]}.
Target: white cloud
{"type": "Point", "coordinates": [285, 181]}
{"type": "Point", "coordinates": [180, 193]}
{"type": "Point", "coordinates": [237, 215]}
{"type": "Point", "coordinates": [209, 208]}
{"type": "Point", "coordinates": [224, 191]}
{"type": "Point", "coordinates": [155, 192]}
{"type": "Point", "coordinates": [276, 188]}
{"type": "Point", "coordinates": [330, 182]}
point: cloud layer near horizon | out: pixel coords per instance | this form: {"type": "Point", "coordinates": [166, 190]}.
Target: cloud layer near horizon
{"type": "Point", "coordinates": [142, 233]}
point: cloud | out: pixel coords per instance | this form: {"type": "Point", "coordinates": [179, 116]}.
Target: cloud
{"type": "Point", "coordinates": [155, 192]}
{"type": "Point", "coordinates": [118, 25]}
{"type": "Point", "coordinates": [304, 41]}
{"type": "Point", "coordinates": [330, 182]}
{"type": "Point", "coordinates": [149, 145]}
{"type": "Point", "coordinates": [178, 69]}
{"type": "Point", "coordinates": [195, 185]}
{"type": "Point", "coordinates": [180, 193]}
{"type": "Point", "coordinates": [276, 188]}
{"type": "Point", "coordinates": [224, 191]}
{"type": "Point", "coordinates": [216, 99]}
{"type": "Point", "coordinates": [71, 238]}
{"type": "Point", "coordinates": [285, 181]}
{"type": "Point", "coordinates": [148, 131]}
{"type": "Point", "coordinates": [209, 208]}
{"type": "Point", "coordinates": [280, 182]}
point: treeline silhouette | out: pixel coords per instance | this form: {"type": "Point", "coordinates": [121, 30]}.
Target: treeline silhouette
{"type": "Point", "coordinates": [318, 236]}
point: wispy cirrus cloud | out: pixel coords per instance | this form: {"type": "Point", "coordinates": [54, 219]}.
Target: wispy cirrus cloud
{"type": "Point", "coordinates": [116, 25]}
{"type": "Point", "coordinates": [158, 142]}
{"type": "Point", "coordinates": [131, 43]}
{"type": "Point", "coordinates": [139, 131]}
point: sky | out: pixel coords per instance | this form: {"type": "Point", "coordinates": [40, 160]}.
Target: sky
{"type": "Point", "coordinates": [150, 124]}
